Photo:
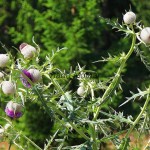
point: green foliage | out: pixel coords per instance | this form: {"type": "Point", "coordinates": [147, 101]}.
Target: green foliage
{"type": "Point", "coordinates": [77, 26]}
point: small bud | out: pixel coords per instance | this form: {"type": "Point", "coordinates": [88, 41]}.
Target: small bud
{"type": "Point", "coordinates": [8, 87]}
{"type": "Point", "coordinates": [145, 35]}
{"type": "Point", "coordinates": [13, 109]}
{"type": "Point", "coordinates": [3, 60]}
{"type": "Point", "coordinates": [27, 50]}
{"type": "Point", "coordinates": [129, 17]}
{"type": "Point", "coordinates": [80, 91]}
{"type": "Point", "coordinates": [36, 76]}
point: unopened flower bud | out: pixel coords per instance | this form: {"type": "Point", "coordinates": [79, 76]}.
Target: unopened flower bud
{"type": "Point", "coordinates": [27, 50]}
{"type": "Point", "coordinates": [13, 109]}
{"type": "Point", "coordinates": [145, 35]}
{"type": "Point", "coordinates": [36, 76]}
{"type": "Point", "coordinates": [8, 87]}
{"type": "Point", "coordinates": [3, 60]}
{"type": "Point", "coordinates": [80, 91]}
{"type": "Point", "coordinates": [129, 17]}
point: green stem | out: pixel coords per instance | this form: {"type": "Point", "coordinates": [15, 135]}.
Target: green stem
{"type": "Point", "coordinates": [10, 144]}
{"type": "Point", "coordinates": [115, 82]}
{"type": "Point", "coordinates": [139, 116]}
{"type": "Point", "coordinates": [135, 122]}
{"type": "Point", "coordinates": [93, 132]}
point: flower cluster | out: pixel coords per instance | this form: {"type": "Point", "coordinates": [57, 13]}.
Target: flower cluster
{"type": "Point", "coordinates": [27, 77]}
{"type": "Point", "coordinates": [130, 18]}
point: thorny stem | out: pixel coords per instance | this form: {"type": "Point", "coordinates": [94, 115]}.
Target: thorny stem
{"type": "Point", "coordinates": [117, 77]}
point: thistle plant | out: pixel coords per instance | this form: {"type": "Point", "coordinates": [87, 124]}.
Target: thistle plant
{"type": "Point", "coordinates": [79, 114]}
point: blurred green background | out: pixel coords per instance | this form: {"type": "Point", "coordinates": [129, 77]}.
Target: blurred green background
{"type": "Point", "coordinates": [74, 24]}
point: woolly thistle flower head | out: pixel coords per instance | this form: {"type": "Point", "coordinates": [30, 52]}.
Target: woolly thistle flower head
{"type": "Point", "coordinates": [13, 109]}
{"type": "Point", "coordinates": [32, 74]}
{"type": "Point", "coordinates": [8, 87]}
{"type": "Point", "coordinates": [27, 50]}
{"type": "Point", "coordinates": [129, 17]}
{"type": "Point", "coordinates": [4, 58]}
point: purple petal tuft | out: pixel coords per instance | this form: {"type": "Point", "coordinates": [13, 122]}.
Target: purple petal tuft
{"type": "Point", "coordinates": [24, 81]}
{"type": "Point", "coordinates": [13, 114]}
{"type": "Point", "coordinates": [22, 46]}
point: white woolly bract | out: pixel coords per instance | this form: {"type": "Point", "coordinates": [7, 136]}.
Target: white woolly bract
{"type": "Point", "coordinates": [145, 35]}
{"type": "Point", "coordinates": [13, 106]}
{"type": "Point", "coordinates": [36, 76]}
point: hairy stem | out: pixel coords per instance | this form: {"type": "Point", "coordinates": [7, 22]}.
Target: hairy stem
{"type": "Point", "coordinates": [94, 137]}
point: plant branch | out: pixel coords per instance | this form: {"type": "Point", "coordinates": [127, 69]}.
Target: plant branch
{"type": "Point", "coordinates": [115, 81]}
{"type": "Point", "coordinates": [139, 116]}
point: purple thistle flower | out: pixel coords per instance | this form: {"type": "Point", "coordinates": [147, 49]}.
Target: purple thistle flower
{"type": "Point", "coordinates": [24, 81]}
{"type": "Point", "coordinates": [13, 110]}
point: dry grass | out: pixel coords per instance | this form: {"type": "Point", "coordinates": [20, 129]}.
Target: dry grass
{"type": "Point", "coordinates": [5, 146]}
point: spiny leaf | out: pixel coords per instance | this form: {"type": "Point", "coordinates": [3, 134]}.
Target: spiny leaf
{"type": "Point", "coordinates": [115, 25]}
{"type": "Point", "coordinates": [134, 96]}
{"type": "Point", "coordinates": [118, 116]}
{"type": "Point", "coordinates": [142, 56]}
